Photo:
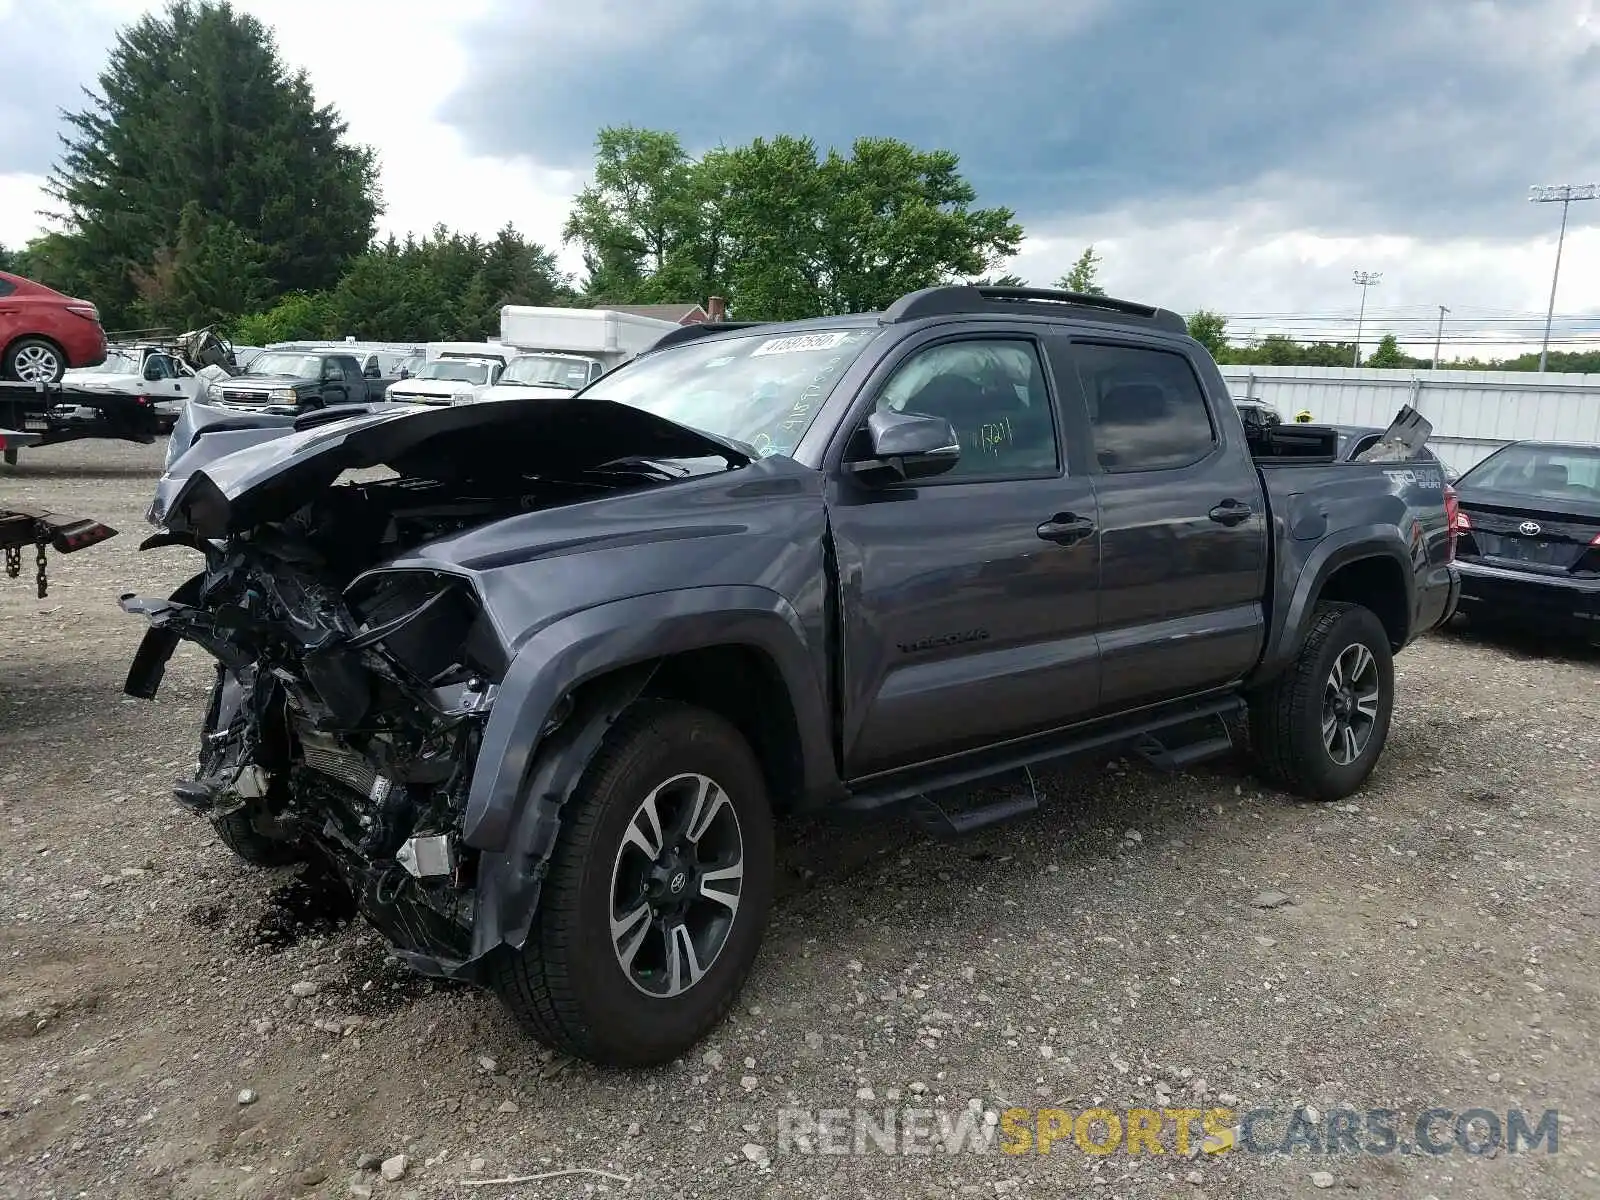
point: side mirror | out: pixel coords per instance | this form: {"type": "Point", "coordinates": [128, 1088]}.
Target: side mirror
{"type": "Point", "coordinates": [405, 372]}
{"type": "Point", "coordinates": [906, 446]}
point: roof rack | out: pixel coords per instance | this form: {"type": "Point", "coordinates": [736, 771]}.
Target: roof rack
{"type": "Point", "coordinates": [689, 333]}
{"type": "Point", "coordinates": [957, 299]}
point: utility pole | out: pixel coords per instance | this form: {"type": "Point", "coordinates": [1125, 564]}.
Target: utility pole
{"type": "Point", "coordinates": [1438, 337]}
{"type": "Point", "coordinates": [1563, 194]}
{"type": "Point", "coordinates": [1363, 280]}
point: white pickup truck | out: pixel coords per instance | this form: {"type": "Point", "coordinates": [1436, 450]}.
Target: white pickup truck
{"type": "Point", "coordinates": [452, 378]}
{"type": "Point", "coordinates": [138, 370]}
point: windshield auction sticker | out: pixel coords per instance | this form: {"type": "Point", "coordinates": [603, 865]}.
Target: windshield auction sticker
{"type": "Point", "coordinates": [801, 343]}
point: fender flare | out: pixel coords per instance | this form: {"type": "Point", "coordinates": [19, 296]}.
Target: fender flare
{"type": "Point", "coordinates": [1335, 551]}
{"type": "Point", "coordinates": [578, 648]}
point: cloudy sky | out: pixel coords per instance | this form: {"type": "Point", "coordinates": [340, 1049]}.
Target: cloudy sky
{"type": "Point", "coordinates": [1245, 155]}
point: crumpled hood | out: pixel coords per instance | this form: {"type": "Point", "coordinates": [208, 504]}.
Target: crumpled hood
{"type": "Point", "coordinates": [284, 469]}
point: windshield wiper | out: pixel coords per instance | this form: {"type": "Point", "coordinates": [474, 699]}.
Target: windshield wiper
{"type": "Point", "coordinates": [657, 466]}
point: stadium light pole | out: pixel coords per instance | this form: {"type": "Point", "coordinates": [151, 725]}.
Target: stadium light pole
{"type": "Point", "coordinates": [1438, 337]}
{"type": "Point", "coordinates": [1563, 194]}
{"type": "Point", "coordinates": [1363, 280]}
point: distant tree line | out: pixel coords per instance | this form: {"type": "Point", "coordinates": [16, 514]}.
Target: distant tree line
{"type": "Point", "coordinates": [204, 185]}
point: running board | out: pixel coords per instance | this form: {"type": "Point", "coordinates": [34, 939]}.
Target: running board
{"type": "Point", "coordinates": [943, 815]}
{"type": "Point", "coordinates": [1185, 753]}
{"type": "Point", "coordinates": [1198, 718]}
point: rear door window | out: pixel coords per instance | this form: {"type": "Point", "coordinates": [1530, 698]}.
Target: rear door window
{"type": "Point", "coordinates": [1147, 410]}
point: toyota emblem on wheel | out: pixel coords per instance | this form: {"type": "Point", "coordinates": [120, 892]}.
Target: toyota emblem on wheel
{"type": "Point", "coordinates": [1529, 529]}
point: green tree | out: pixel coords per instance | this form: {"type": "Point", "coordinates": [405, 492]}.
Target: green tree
{"type": "Point", "coordinates": [1210, 329]}
{"type": "Point", "coordinates": [511, 270]}
{"type": "Point", "coordinates": [297, 316]}
{"type": "Point", "coordinates": [1006, 280]}
{"type": "Point", "coordinates": [212, 273]}
{"type": "Point", "coordinates": [1084, 278]}
{"type": "Point", "coordinates": [778, 229]}
{"type": "Point", "coordinates": [1388, 354]}
{"type": "Point", "coordinates": [644, 222]}
{"type": "Point", "coordinates": [808, 236]}
{"type": "Point", "coordinates": [392, 297]}
{"type": "Point", "coordinates": [196, 107]}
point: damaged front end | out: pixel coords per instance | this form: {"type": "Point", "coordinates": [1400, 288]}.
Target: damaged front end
{"type": "Point", "coordinates": [344, 721]}
{"type": "Point", "coordinates": [351, 691]}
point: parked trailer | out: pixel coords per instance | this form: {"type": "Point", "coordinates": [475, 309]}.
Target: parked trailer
{"type": "Point", "coordinates": [61, 413]}
{"type": "Point", "coordinates": [44, 531]}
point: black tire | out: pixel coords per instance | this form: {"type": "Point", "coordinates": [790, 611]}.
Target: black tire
{"type": "Point", "coordinates": [12, 455]}
{"type": "Point", "coordinates": [566, 986]}
{"type": "Point", "coordinates": [23, 345]}
{"type": "Point", "coordinates": [248, 832]}
{"type": "Point", "coordinates": [239, 833]}
{"type": "Point", "coordinates": [1287, 717]}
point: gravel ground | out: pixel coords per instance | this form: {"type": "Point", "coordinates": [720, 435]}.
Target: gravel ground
{"type": "Point", "coordinates": [1143, 941]}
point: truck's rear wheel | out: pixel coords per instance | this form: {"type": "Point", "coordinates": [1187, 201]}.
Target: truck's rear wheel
{"type": "Point", "coordinates": [1318, 729]}
{"type": "Point", "coordinates": [656, 898]}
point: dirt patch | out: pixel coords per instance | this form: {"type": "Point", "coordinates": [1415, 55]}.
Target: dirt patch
{"type": "Point", "coordinates": [1437, 948]}
{"type": "Point", "coordinates": [315, 903]}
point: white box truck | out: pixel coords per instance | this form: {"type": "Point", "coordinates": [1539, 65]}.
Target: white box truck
{"type": "Point", "coordinates": [560, 350]}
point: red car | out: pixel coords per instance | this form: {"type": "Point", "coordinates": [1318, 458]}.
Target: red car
{"type": "Point", "coordinates": [43, 333]}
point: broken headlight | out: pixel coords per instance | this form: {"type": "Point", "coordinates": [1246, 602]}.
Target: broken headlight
{"type": "Point", "coordinates": [429, 624]}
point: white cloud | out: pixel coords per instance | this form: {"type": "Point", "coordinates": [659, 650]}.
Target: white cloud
{"type": "Point", "coordinates": [20, 196]}
{"type": "Point", "coordinates": [1248, 259]}
{"type": "Point", "coordinates": [390, 66]}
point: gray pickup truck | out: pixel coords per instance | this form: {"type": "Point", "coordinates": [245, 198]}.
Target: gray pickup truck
{"type": "Point", "coordinates": [541, 691]}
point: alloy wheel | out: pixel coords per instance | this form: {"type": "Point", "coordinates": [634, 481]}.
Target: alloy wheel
{"type": "Point", "coordinates": [1350, 701]}
{"type": "Point", "coordinates": [675, 885]}
{"type": "Point", "coordinates": [36, 364]}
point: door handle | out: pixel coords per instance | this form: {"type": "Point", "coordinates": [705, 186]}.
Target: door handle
{"type": "Point", "coordinates": [1230, 512]}
{"type": "Point", "coordinates": [1066, 528]}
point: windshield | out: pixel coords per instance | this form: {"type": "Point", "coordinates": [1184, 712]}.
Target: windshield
{"type": "Point", "coordinates": [455, 369]}
{"type": "Point", "coordinates": [761, 390]}
{"type": "Point", "coordinates": [543, 371]}
{"type": "Point", "coordinates": [118, 362]}
{"type": "Point", "coordinates": [1550, 472]}
{"type": "Point", "coordinates": [298, 366]}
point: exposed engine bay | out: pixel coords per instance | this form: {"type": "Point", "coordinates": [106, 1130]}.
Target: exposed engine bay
{"type": "Point", "coordinates": [350, 696]}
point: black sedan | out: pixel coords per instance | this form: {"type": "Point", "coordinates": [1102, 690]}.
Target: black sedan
{"type": "Point", "coordinates": [1528, 537]}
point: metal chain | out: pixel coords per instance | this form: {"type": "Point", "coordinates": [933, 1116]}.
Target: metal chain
{"type": "Point", "coordinates": [13, 561]}
{"type": "Point", "coordinates": [43, 573]}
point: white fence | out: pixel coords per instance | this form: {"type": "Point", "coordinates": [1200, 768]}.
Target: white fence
{"type": "Point", "coordinates": [1473, 413]}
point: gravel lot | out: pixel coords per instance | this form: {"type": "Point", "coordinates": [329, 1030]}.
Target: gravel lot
{"type": "Point", "coordinates": [1433, 945]}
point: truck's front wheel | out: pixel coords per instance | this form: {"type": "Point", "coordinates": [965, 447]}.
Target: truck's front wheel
{"type": "Point", "coordinates": [1318, 729]}
{"type": "Point", "coordinates": [656, 897]}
